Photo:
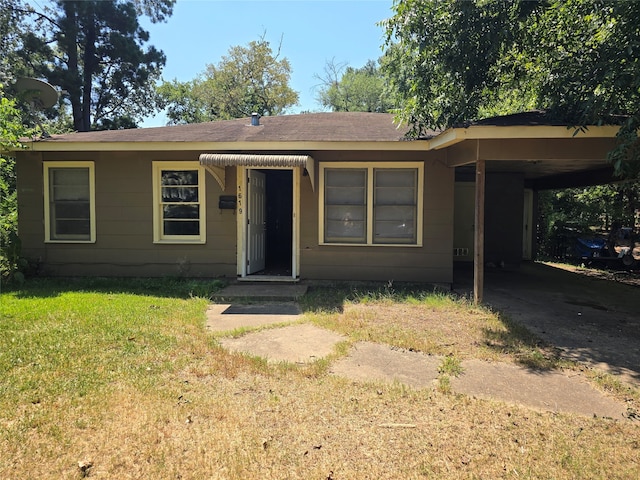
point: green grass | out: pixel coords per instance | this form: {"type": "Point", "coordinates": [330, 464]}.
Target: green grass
{"type": "Point", "coordinates": [332, 298]}
{"type": "Point", "coordinates": [123, 376]}
{"type": "Point", "coordinates": [76, 338]}
{"type": "Point", "coordinates": [451, 366]}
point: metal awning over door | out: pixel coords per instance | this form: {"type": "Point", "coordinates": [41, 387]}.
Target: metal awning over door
{"type": "Point", "coordinates": [217, 161]}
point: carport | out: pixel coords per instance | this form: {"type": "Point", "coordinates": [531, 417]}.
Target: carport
{"type": "Point", "coordinates": [587, 316]}
{"type": "Point", "coordinates": [527, 149]}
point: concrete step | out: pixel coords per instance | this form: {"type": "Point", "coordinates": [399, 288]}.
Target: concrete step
{"type": "Point", "coordinates": [260, 292]}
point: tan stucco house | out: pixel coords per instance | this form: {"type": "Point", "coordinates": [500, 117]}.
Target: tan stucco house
{"type": "Point", "coordinates": [312, 196]}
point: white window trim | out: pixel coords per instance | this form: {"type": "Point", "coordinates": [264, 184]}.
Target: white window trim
{"type": "Point", "coordinates": [158, 237]}
{"type": "Point", "coordinates": [370, 167]}
{"type": "Point", "coordinates": [92, 200]}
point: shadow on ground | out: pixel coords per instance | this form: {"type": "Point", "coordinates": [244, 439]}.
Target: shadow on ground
{"type": "Point", "coordinates": [168, 287]}
{"type": "Point", "coordinates": [586, 318]}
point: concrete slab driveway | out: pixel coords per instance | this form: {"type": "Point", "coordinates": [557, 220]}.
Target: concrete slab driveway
{"type": "Point", "coordinates": [589, 318]}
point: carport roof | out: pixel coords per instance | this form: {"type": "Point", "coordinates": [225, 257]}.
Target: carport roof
{"type": "Point", "coordinates": [547, 153]}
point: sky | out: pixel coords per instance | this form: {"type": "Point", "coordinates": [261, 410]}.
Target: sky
{"type": "Point", "coordinates": [311, 33]}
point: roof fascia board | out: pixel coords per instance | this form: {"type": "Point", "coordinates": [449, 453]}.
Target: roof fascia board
{"type": "Point", "coordinates": [493, 132]}
{"type": "Point", "coordinates": [52, 146]}
{"type": "Point", "coordinates": [443, 140]}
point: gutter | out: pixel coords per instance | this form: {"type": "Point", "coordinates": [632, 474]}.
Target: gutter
{"type": "Point", "coordinates": [53, 146]}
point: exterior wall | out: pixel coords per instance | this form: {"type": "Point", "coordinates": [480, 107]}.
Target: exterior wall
{"type": "Point", "coordinates": [124, 216]}
{"type": "Point", "coordinates": [504, 207]}
{"type": "Point", "coordinates": [504, 218]}
{"type": "Point", "coordinates": [30, 205]}
{"type": "Point", "coordinates": [432, 262]}
{"type": "Point", "coordinates": [503, 222]}
{"type": "Point", "coordinates": [464, 221]}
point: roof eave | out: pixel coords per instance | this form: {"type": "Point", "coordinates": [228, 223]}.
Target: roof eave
{"type": "Point", "coordinates": [492, 132]}
{"type": "Point", "coordinates": [443, 140]}
{"type": "Point", "coordinates": [52, 146]}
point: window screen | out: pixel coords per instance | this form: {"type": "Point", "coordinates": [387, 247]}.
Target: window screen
{"type": "Point", "coordinates": [345, 208]}
{"type": "Point", "coordinates": [69, 203]}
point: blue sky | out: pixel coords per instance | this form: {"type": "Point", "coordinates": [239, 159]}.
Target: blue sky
{"type": "Point", "coordinates": [313, 32]}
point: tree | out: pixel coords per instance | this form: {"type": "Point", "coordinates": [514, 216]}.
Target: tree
{"type": "Point", "coordinates": [247, 80]}
{"type": "Point", "coordinates": [586, 211]}
{"type": "Point", "coordinates": [10, 28]}
{"type": "Point", "coordinates": [11, 129]}
{"type": "Point", "coordinates": [445, 58]}
{"type": "Point", "coordinates": [348, 89]}
{"type": "Point", "coordinates": [184, 102]}
{"type": "Point", "coordinates": [454, 61]}
{"type": "Point", "coordinates": [94, 51]}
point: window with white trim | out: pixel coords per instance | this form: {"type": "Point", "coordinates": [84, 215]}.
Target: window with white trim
{"type": "Point", "coordinates": [376, 204]}
{"type": "Point", "coordinates": [69, 202]}
{"type": "Point", "coordinates": [179, 207]}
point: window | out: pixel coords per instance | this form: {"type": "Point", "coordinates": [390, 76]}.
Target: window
{"type": "Point", "coordinates": [345, 198]}
{"type": "Point", "coordinates": [394, 205]}
{"type": "Point", "coordinates": [178, 190]}
{"type": "Point", "coordinates": [69, 196]}
{"type": "Point", "coordinates": [379, 204]}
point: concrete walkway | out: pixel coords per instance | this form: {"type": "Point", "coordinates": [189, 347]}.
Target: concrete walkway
{"type": "Point", "coordinates": [280, 336]}
{"type": "Point", "coordinates": [225, 317]}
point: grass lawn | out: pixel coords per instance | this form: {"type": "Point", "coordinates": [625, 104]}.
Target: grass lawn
{"type": "Point", "coordinates": [120, 379]}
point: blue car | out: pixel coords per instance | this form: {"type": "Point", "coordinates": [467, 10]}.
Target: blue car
{"type": "Point", "coordinates": [587, 248]}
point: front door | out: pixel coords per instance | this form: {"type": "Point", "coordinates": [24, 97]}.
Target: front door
{"type": "Point", "coordinates": [256, 222]}
{"type": "Point", "coordinates": [268, 227]}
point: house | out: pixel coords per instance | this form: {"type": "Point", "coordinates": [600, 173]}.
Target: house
{"type": "Point", "coordinates": [340, 196]}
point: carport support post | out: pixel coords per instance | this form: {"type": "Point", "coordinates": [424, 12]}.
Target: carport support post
{"type": "Point", "coordinates": [478, 241]}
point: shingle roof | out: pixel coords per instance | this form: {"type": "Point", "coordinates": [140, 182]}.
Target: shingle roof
{"type": "Point", "coordinates": [532, 118]}
{"type": "Point", "coordinates": [310, 127]}
{"type": "Point", "coordinates": [536, 118]}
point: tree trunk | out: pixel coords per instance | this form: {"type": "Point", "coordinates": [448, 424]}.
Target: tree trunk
{"type": "Point", "coordinates": [72, 83]}
{"type": "Point", "coordinates": [90, 65]}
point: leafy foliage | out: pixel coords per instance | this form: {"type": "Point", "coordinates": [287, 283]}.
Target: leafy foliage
{"type": "Point", "coordinates": [586, 210]}
{"type": "Point", "coordinates": [454, 61]}
{"type": "Point", "coordinates": [94, 51]}
{"type": "Point", "coordinates": [247, 80]}
{"type": "Point", "coordinates": [11, 130]}
{"type": "Point", "coordinates": [446, 58]}
{"type": "Point", "coordinates": [348, 89]}
{"type": "Point", "coordinates": [10, 26]}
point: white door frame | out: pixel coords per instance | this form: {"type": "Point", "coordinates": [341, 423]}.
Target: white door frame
{"type": "Point", "coordinates": [242, 227]}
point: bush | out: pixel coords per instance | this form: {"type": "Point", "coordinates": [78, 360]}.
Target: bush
{"type": "Point", "coordinates": [12, 265]}
{"type": "Point", "coordinates": [11, 129]}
